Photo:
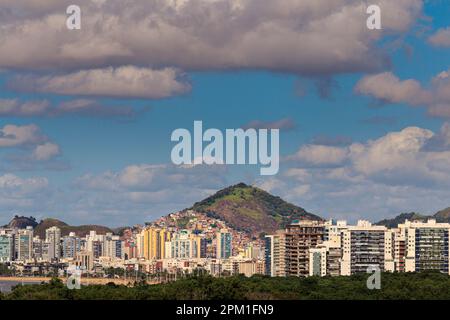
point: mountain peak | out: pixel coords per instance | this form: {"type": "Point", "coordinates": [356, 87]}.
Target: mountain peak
{"type": "Point", "coordinates": [251, 209]}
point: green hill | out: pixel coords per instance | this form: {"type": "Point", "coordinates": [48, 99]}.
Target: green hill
{"type": "Point", "coordinates": [251, 209]}
{"type": "Point", "coordinates": [440, 216]}
{"type": "Point", "coordinates": [392, 223]}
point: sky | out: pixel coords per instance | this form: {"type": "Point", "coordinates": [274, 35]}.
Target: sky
{"type": "Point", "coordinates": [86, 115]}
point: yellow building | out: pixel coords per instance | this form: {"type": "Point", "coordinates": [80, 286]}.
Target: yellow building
{"type": "Point", "coordinates": [154, 242]}
{"type": "Point", "coordinates": [199, 243]}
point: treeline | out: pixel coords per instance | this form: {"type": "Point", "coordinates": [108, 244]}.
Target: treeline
{"type": "Point", "coordinates": [404, 286]}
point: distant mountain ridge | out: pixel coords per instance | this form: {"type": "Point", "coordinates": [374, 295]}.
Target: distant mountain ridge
{"type": "Point", "coordinates": [440, 216]}
{"type": "Point", "coordinates": [21, 222]}
{"type": "Point", "coordinates": [250, 209]}
{"type": "Point", "coordinates": [80, 231]}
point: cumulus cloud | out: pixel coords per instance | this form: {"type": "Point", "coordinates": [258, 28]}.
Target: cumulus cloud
{"type": "Point", "coordinates": [28, 137]}
{"type": "Point", "coordinates": [319, 37]}
{"type": "Point", "coordinates": [398, 158]}
{"type": "Point", "coordinates": [389, 88]}
{"type": "Point", "coordinates": [402, 171]}
{"type": "Point", "coordinates": [46, 151]}
{"type": "Point", "coordinates": [12, 135]}
{"type": "Point", "coordinates": [441, 38]}
{"type": "Point", "coordinates": [386, 86]}
{"type": "Point", "coordinates": [126, 81]}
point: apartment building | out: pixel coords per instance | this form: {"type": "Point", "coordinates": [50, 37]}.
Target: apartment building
{"type": "Point", "coordinates": [71, 244]}
{"type": "Point", "coordinates": [427, 246]}
{"type": "Point", "coordinates": [275, 254]}
{"type": "Point", "coordinates": [224, 247]}
{"type": "Point", "coordinates": [53, 239]}
{"type": "Point", "coordinates": [153, 242]}
{"type": "Point", "coordinates": [23, 243]}
{"type": "Point", "coordinates": [300, 237]}
{"type": "Point", "coordinates": [325, 259]}
{"type": "Point", "coordinates": [365, 246]}
{"type": "Point", "coordinates": [6, 246]}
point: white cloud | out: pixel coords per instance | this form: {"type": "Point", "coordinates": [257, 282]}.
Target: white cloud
{"type": "Point", "coordinates": [412, 156]}
{"type": "Point", "coordinates": [127, 81]}
{"type": "Point", "coordinates": [295, 36]}
{"type": "Point", "coordinates": [46, 151]}
{"type": "Point", "coordinates": [441, 38]}
{"type": "Point", "coordinates": [12, 135]}
{"type": "Point", "coordinates": [28, 137]}
{"type": "Point", "coordinates": [12, 184]}
{"type": "Point", "coordinates": [402, 171]}
{"type": "Point", "coordinates": [388, 87]}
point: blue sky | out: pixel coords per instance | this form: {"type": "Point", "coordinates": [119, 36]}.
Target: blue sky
{"type": "Point", "coordinates": [109, 167]}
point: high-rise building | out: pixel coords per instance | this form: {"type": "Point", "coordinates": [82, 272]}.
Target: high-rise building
{"type": "Point", "coordinates": [154, 242]}
{"type": "Point", "coordinates": [300, 237]}
{"type": "Point", "coordinates": [23, 243]}
{"type": "Point", "coordinates": [140, 244]}
{"type": "Point", "coordinates": [365, 246]}
{"type": "Point", "coordinates": [333, 232]}
{"type": "Point", "coordinates": [427, 246]}
{"type": "Point", "coordinates": [71, 244]}
{"type": "Point", "coordinates": [399, 249]}
{"type": "Point", "coordinates": [182, 245]}
{"type": "Point", "coordinates": [199, 243]}
{"type": "Point", "coordinates": [275, 254]}
{"type": "Point", "coordinates": [324, 260]}
{"type": "Point", "coordinates": [112, 246]}
{"type": "Point", "coordinates": [224, 248]}
{"type": "Point", "coordinates": [95, 243]}
{"type": "Point", "coordinates": [53, 238]}
{"type": "Point", "coordinates": [6, 247]}
{"type": "Point", "coordinates": [37, 248]}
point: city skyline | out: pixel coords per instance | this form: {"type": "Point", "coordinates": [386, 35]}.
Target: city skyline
{"type": "Point", "coordinates": [86, 115]}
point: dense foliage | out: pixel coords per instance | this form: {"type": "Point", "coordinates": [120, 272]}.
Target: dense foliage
{"type": "Point", "coordinates": [427, 285]}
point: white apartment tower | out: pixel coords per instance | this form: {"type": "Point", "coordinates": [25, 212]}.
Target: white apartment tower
{"type": "Point", "coordinates": [364, 246]}
{"type": "Point", "coordinates": [427, 246]}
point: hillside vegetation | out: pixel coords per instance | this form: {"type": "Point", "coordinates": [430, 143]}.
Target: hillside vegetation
{"type": "Point", "coordinates": [251, 209]}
